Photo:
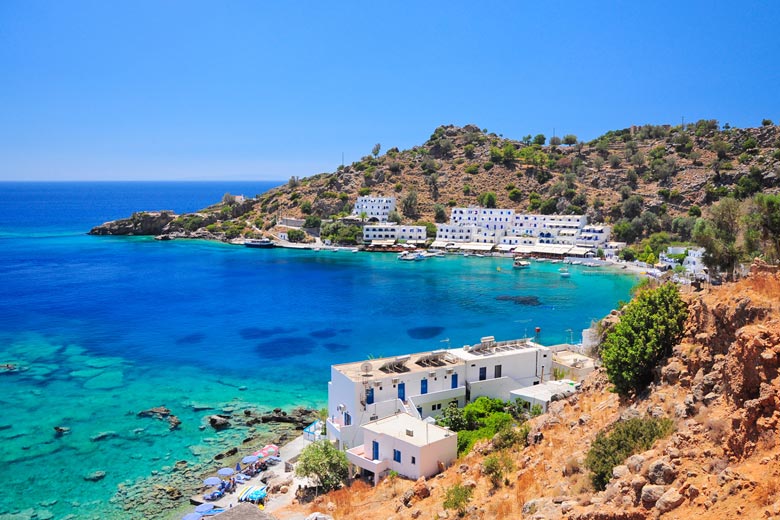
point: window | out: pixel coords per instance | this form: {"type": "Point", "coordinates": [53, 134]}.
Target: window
{"type": "Point", "coordinates": [497, 371]}
{"type": "Point", "coordinates": [482, 373]}
{"type": "Point", "coordinates": [414, 460]}
{"type": "Point", "coordinates": [396, 455]}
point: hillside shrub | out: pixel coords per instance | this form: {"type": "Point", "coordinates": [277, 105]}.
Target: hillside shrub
{"type": "Point", "coordinates": [626, 438]}
{"type": "Point", "coordinates": [296, 235]}
{"type": "Point", "coordinates": [472, 169]}
{"type": "Point", "coordinates": [324, 463]}
{"type": "Point", "coordinates": [648, 329]}
{"type": "Point", "coordinates": [487, 166]}
{"type": "Point", "coordinates": [457, 497]}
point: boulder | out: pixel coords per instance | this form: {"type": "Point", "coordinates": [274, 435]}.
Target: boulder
{"type": "Point", "coordinates": [661, 472]}
{"type": "Point", "coordinates": [635, 463]}
{"type": "Point", "coordinates": [219, 422]}
{"type": "Point", "coordinates": [421, 489]}
{"type": "Point", "coordinates": [620, 471]}
{"type": "Point", "coordinates": [650, 495]}
{"type": "Point", "coordinates": [671, 499]}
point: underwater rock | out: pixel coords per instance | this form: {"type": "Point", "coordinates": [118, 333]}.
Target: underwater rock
{"type": "Point", "coordinates": [59, 431]}
{"type": "Point", "coordinates": [424, 332]}
{"type": "Point", "coordinates": [520, 300]}
{"type": "Point", "coordinates": [95, 476]}
{"type": "Point", "coordinates": [103, 436]}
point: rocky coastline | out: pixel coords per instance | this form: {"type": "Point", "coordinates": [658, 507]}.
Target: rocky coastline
{"type": "Point", "coordinates": [168, 489]}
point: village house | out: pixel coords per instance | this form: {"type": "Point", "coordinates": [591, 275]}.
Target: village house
{"type": "Point", "coordinates": [376, 209]}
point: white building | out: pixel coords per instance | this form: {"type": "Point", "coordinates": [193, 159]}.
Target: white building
{"type": "Point", "coordinates": [410, 446]}
{"type": "Point", "coordinates": [503, 227]}
{"type": "Point", "coordinates": [545, 393]}
{"type": "Point", "coordinates": [377, 209]}
{"type": "Point", "coordinates": [423, 384]}
{"type": "Point", "coordinates": [391, 231]}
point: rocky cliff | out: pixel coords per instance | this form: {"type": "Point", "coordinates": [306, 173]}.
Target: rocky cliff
{"type": "Point", "coordinates": [721, 387]}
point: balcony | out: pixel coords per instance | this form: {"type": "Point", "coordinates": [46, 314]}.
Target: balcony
{"type": "Point", "coordinates": [359, 458]}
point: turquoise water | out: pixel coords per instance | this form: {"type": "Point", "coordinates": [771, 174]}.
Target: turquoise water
{"type": "Point", "coordinates": [109, 326]}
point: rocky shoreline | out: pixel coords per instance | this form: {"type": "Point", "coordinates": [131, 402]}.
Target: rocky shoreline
{"type": "Point", "coordinates": [168, 489]}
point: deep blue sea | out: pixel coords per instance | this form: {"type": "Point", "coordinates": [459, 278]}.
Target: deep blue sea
{"type": "Point", "coordinates": [108, 326]}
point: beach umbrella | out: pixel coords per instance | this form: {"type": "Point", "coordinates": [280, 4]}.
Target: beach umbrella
{"type": "Point", "coordinates": [249, 459]}
{"type": "Point", "coordinates": [192, 516]}
{"type": "Point", "coordinates": [225, 472]}
{"type": "Point", "coordinates": [203, 508]}
{"type": "Point", "coordinates": [271, 449]}
{"type": "Point", "coordinates": [212, 481]}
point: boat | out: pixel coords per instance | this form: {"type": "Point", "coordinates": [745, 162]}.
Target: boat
{"type": "Point", "coordinates": [411, 256]}
{"type": "Point", "coordinates": [259, 242]}
{"type": "Point", "coordinates": [564, 272]}
{"type": "Point", "coordinates": [519, 263]}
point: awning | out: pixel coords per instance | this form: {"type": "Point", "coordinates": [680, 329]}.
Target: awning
{"type": "Point", "coordinates": [383, 243]}
{"type": "Point", "coordinates": [580, 251]}
{"type": "Point", "coordinates": [505, 247]}
{"type": "Point", "coordinates": [440, 243]}
{"type": "Point", "coordinates": [477, 246]}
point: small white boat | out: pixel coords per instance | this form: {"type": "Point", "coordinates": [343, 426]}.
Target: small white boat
{"type": "Point", "coordinates": [564, 272]}
{"type": "Point", "coordinates": [411, 256]}
{"type": "Point", "coordinates": [519, 263]}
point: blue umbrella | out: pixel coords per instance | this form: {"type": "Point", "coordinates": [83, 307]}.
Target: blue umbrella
{"type": "Point", "coordinates": [203, 508]}
{"type": "Point", "coordinates": [225, 472]}
{"type": "Point", "coordinates": [212, 481]}
{"type": "Point", "coordinates": [192, 516]}
{"type": "Point", "coordinates": [249, 459]}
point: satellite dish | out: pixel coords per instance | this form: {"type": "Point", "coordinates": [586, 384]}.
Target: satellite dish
{"type": "Point", "coordinates": [366, 367]}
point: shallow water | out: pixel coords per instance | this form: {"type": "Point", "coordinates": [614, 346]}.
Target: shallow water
{"type": "Point", "coordinates": [110, 326]}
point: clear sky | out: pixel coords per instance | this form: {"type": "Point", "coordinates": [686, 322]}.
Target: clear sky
{"type": "Point", "coordinates": [240, 90]}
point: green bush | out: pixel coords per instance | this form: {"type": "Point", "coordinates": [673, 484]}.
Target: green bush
{"type": "Point", "coordinates": [487, 166]}
{"type": "Point", "coordinates": [296, 235]}
{"type": "Point", "coordinates": [648, 329]}
{"type": "Point", "coordinates": [364, 191]}
{"type": "Point", "coordinates": [457, 497]}
{"type": "Point", "coordinates": [625, 439]}
{"type": "Point", "coordinates": [306, 207]}
{"type": "Point", "coordinates": [472, 169]}
{"type": "Point", "coordinates": [312, 222]}
{"type": "Point", "coordinates": [515, 195]}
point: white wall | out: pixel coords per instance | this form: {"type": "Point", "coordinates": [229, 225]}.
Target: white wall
{"type": "Point", "coordinates": [427, 457]}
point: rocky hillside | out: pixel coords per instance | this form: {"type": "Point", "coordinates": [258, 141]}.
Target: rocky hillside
{"type": "Point", "coordinates": [646, 175]}
{"type": "Point", "coordinates": [721, 389]}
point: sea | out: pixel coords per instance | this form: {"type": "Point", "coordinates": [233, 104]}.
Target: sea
{"type": "Point", "coordinates": [100, 328]}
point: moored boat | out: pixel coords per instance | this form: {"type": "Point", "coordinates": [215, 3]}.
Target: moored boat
{"type": "Point", "coordinates": [519, 263]}
{"type": "Point", "coordinates": [259, 242]}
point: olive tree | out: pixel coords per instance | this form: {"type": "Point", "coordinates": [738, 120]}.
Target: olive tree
{"type": "Point", "coordinates": [323, 462]}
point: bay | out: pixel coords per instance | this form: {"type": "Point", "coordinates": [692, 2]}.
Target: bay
{"type": "Point", "coordinates": [109, 326]}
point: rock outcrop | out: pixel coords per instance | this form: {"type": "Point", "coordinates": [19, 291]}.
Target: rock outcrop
{"type": "Point", "coordinates": [140, 223]}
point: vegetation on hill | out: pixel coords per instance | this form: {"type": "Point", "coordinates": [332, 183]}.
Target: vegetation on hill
{"type": "Point", "coordinates": [650, 325]}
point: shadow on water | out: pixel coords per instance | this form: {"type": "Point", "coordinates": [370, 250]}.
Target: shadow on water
{"type": "Point", "coordinates": [323, 333]}
{"type": "Point", "coordinates": [258, 333]}
{"type": "Point", "coordinates": [424, 332]}
{"type": "Point", "coordinates": [284, 347]}
{"type": "Point", "coordinates": [336, 347]}
{"type": "Point", "coordinates": [520, 300]}
{"type": "Point", "coordinates": [191, 339]}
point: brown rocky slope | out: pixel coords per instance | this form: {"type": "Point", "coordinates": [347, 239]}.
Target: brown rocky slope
{"type": "Point", "coordinates": [721, 387]}
{"type": "Point", "coordinates": [669, 168]}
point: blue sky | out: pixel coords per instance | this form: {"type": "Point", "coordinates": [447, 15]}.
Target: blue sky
{"type": "Point", "coordinates": [240, 90]}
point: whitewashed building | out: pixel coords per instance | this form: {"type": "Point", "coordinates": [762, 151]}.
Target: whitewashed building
{"type": "Point", "coordinates": [392, 231]}
{"type": "Point", "coordinates": [377, 209]}
{"type": "Point", "coordinates": [545, 393]}
{"type": "Point", "coordinates": [410, 446]}
{"type": "Point", "coordinates": [507, 229]}
{"type": "Point", "coordinates": [425, 383]}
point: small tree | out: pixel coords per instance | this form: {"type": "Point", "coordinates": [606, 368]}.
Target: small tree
{"type": "Point", "coordinates": [409, 204]}
{"type": "Point", "coordinates": [296, 235]}
{"type": "Point", "coordinates": [312, 221]}
{"type": "Point", "coordinates": [324, 463]}
{"type": "Point", "coordinates": [393, 216]}
{"type": "Point", "coordinates": [457, 497]}
{"type": "Point", "coordinates": [648, 329]}
{"type": "Point", "coordinates": [555, 141]}
{"type": "Point", "coordinates": [439, 213]}
{"type": "Point", "coordinates": [487, 199]}
{"type": "Point", "coordinates": [228, 199]}
{"type": "Point", "coordinates": [375, 149]}
{"type": "Point", "coordinates": [540, 139]}
{"type": "Point", "coordinates": [569, 139]}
